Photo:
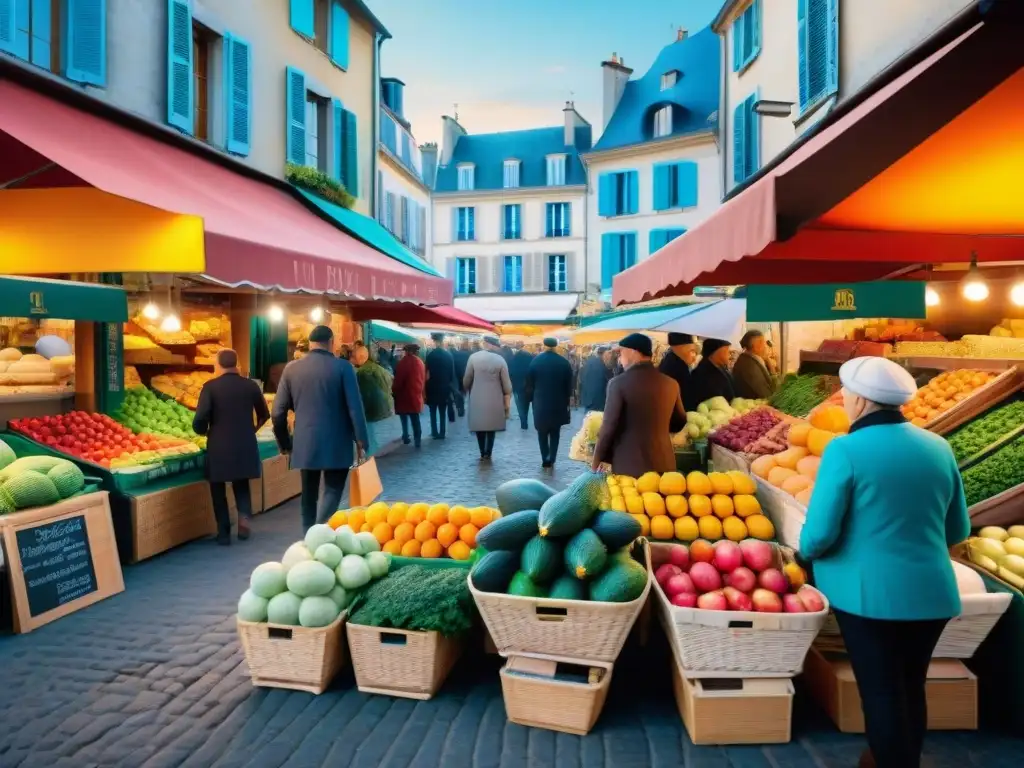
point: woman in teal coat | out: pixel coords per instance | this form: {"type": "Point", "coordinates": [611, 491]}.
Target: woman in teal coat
{"type": "Point", "coordinates": [887, 505]}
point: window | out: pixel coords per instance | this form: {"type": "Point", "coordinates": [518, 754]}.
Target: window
{"type": "Point", "coordinates": [617, 193]}
{"type": "Point", "coordinates": [316, 132]}
{"type": "Point", "coordinates": [818, 50]}
{"type": "Point", "coordinates": [746, 36]}
{"type": "Point", "coordinates": [465, 226]}
{"type": "Point", "coordinates": [326, 24]}
{"type": "Point", "coordinates": [465, 275]}
{"type": "Point", "coordinates": [558, 278]}
{"type": "Point", "coordinates": [202, 40]}
{"type": "Point", "coordinates": [675, 185]}
{"type": "Point", "coordinates": [746, 150]}
{"type": "Point", "coordinates": [659, 238]}
{"type": "Point", "coordinates": [618, 252]}
{"type": "Point", "coordinates": [466, 174]}
{"type": "Point", "coordinates": [511, 179]}
{"type": "Point", "coordinates": [669, 79]}
{"type": "Point", "coordinates": [556, 170]}
{"type": "Point", "coordinates": [663, 122]}
{"type": "Point", "coordinates": [406, 230]}
{"type": "Point", "coordinates": [558, 220]}
{"type": "Point", "coordinates": [513, 280]}
{"type": "Point", "coordinates": [66, 40]}
{"type": "Point", "coordinates": [512, 217]}
{"type": "Point", "coordinates": [389, 211]}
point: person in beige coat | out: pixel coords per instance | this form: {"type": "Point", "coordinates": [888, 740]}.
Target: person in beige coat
{"type": "Point", "coordinates": [489, 388]}
{"type": "Point", "coordinates": [750, 372]}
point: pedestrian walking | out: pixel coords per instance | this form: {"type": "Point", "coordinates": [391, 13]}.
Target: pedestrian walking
{"type": "Point", "coordinates": [440, 385]}
{"type": "Point", "coordinates": [711, 377]}
{"type": "Point", "coordinates": [750, 371]}
{"type": "Point", "coordinates": [408, 387]}
{"type": "Point", "coordinates": [549, 389]}
{"type": "Point", "coordinates": [594, 378]}
{"type": "Point", "coordinates": [678, 364]}
{"type": "Point", "coordinates": [230, 412]}
{"type": "Point", "coordinates": [490, 394]}
{"type": "Point", "coordinates": [642, 412]}
{"type": "Point", "coordinates": [330, 426]}
{"type": "Point", "coordinates": [461, 358]}
{"type": "Point", "coordinates": [888, 504]}
{"type": "Point", "coordinates": [375, 391]}
{"type": "Point", "coordinates": [518, 370]}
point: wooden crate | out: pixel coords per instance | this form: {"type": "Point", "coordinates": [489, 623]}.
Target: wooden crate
{"type": "Point", "coordinates": [164, 519]}
{"type": "Point", "coordinates": [401, 662]}
{"type": "Point", "coordinates": [534, 696]}
{"type": "Point", "coordinates": [280, 483]}
{"type": "Point", "coordinates": [296, 658]}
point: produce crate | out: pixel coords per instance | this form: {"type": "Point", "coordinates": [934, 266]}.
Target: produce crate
{"type": "Point", "coordinates": [297, 658]}
{"type": "Point", "coordinates": [572, 629]}
{"type": "Point", "coordinates": [1004, 509]}
{"type": "Point", "coordinates": [979, 401]}
{"type": "Point", "coordinates": [786, 513]}
{"type": "Point", "coordinates": [280, 482]}
{"type": "Point", "coordinates": [401, 662]}
{"type": "Point", "coordinates": [724, 644]}
{"type": "Point", "coordinates": [725, 460]}
{"type": "Point", "coordinates": [171, 516]}
{"type": "Point", "coordinates": [538, 696]}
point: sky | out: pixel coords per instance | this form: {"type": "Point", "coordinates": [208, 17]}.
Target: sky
{"type": "Point", "coordinates": [512, 64]}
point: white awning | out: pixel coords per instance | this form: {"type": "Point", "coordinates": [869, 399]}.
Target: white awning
{"type": "Point", "coordinates": [521, 308]}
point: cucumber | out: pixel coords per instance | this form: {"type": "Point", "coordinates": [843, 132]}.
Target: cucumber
{"type": "Point", "coordinates": [568, 588]}
{"type": "Point", "coordinates": [585, 555]}
{"type": "Point", "coordinates": [570, 510]}
{"type": "Point", "coordinates": [494, 571]}
{"type": "Point", "coordinates": [615, 529]}
{"type": "Point", "coordinates": [517, 495]}
{"type": "Point", "coordinates": [541, 559]}
{"type": "Point", "coordinates": [622, 582]}
{"type": "Point", "coordinates": [523, 586]}
{"type": "Point", "coordinates": [509, 533]}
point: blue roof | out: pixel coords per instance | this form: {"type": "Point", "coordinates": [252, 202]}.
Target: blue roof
{"type": "Point", "coordinates": [489, 151]}
{"type": "Point", "coordinates": [694, 97]}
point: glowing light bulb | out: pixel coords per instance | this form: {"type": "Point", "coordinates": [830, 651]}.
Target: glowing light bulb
{"type": "Point", "coordinates": [975, 290]}
{"type": "Point", "coordinates": [316, 314]}
{"type": "Point", "coordinates": [151, 311]}
{"type": "Point", "coordinates": [931, 298]}
{"type": "Point", "coordinates": [276, 314]}
{"type": "Point", "coordinates": [170, 324]}
{"type": "Point", "coordinates": [1017, 294]}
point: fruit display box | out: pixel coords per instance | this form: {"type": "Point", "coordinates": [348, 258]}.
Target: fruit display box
{"type": "Point", "coordinates": [401, 662]}
{"type": "Point", "coordinates": [296, 658]}
{"type": "Point", "coordinates": [977, 402]}
{"type": "Point", "coordinates": [553, 693]}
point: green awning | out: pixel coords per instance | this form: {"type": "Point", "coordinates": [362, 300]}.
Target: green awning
{"type": "Point", "coordinates": [370, 232]}
{"type": "Point", "coordinates": [836, 301]}
{"type": "Point", "coordinates": [42, 298]}
{"type": "Point", "coordinates": [630, 312]}
{"type": "Point", "coordinates": [381, 332]}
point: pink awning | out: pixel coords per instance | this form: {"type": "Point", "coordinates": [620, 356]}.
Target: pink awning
{"type": "Point", "coordinates": [403, 312]}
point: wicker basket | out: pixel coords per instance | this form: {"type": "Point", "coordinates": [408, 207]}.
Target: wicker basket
{"type": "Point", "coordinates": [401, 662]}
{"type": "Point", "coordinates": [571, 629]}
{"type": "Point", "coordinates": [298, 658]}
{"type": "Point", "coordinates": [736, 643]}
{"type": "Point", "coordinates": [538, 700]}
{"type": "Point", "coordinates": [786, 513]}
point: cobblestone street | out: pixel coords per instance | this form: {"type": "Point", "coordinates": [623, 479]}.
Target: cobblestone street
{"type": "Point", "coordinates": [154, 677]}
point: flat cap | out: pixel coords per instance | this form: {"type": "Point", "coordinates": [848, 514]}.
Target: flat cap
{"type": "Point", "coordinates": [639, 343]}
{"type": "Point", "coordinates": [878, 380]}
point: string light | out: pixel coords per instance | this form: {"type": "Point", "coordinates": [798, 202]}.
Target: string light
{"type": "Point", "coordinates": [316, 314]}
{"type": "Point", "coordinates": [931, 297]}
{"type": "Point", "coordinates": [974, 287]}
{"type": "Point", "coordinates": [1017, 294]}
{"type": "Point", "coordinates": [275, 313]}
{"type": "Point", "coordinates": [151, 311]}
{"type": "Point", "coordinates": [170, 324]}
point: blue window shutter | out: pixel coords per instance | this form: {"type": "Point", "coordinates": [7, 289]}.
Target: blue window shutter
{"type": "Point", "coordinates": [179, 65]}
{"type": "Point", "coordinates": [302, 17]}
{"type": "Point", "coordinates": [566, 219]}
{"type": "Point", "coordinates": [339, 35]}
{"type": "Point", "coordinates": [628, 250]}
{"type": "Point", "coordinates": [609, 259]}
{"type": "Point", "coordinates": [9, 12]}
{"type": "Point", "coordinates": [455, 224]}
{"type": "Point", "coordinates": [656, 239]}
{"type": "Point", "coordinates": [86, 43]}
{"type": "Point", "coordinates": [738, 145]}
{"type": "Point", "coordinates": [754, 134]}
{"type": "Point", "coordinates": [351, 160]}
{"type": "Point", "coordinates": [238, 93]}
{"type": "Point", "coordinates": [832, 58]}
{"type": "Point", "coordinates": [295, 116]}
{"type": "Point", "coordinates": [339, 141]}
{"type": "Point", "coordinates": [737, 43]}
{"type": "Point", "coordinates": [471, 223]}
{"type": "Point", "coordinates": [606, 194]}
{"type": "Point", "coordinates": [686, 184]}
{"type": "Point", "coordinates": [801, 36]}
{"type": "Point", "coordinates": [632, 192]}
{"type": "Point", "coordinates": [39, 36]}
{"type": "Point", "coordinates": [757, 19]}
{"type": "Point", "coordinates": [661, 184]}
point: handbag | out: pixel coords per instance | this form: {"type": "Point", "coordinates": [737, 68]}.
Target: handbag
{"type": "Point", "coordinates": [364, 484]}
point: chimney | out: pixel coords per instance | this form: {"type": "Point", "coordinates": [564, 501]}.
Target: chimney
{"type": "Point", "coordinates": [615, 75]}
{"type": "Point", "coordinates": [681, 34]}
{"type": "Point", "coordinates": [429, 154]}
{"type": "Point", "coordinates": [451, 131]}
{"type": "Point", "coordinates": [572, 122]}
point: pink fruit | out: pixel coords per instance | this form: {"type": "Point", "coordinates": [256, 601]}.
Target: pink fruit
{"type": "Point", "coordinates": [685, 600]}
{"type": "Point", "coordinates": [773, 579]}
{"type": "Point", "coordinates": [811, 598]}
{"type": "Point", "coordinates": [705, 577]}
{"type": "Point", "coordinates": [742, 579]}
{"type": "Point", "coordinates": [766, 601]}
{"type": "Point", "coordinates": [713, 601]}
{"type": "Point", "coordinates": [666, 572]}
{"type": "Point", "coordinates": [757, 555]}
{"type": "Point", "coordinates": [727, 556]}
{"type": "Point", "coordinates": [678, 584]}
{"type": "Point", "coordinates": [679, 556]}
{"type": "Point", "coordinates": [792, 604]}
{"type": "Point", "coordinates": [738, 601]}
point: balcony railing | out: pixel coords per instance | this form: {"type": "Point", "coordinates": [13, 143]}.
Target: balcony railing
{"type": "Point", "coordinates": [401, 144]}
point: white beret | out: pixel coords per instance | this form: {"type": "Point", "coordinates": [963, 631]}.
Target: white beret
{"type": "Point", "coordinates": [878, 380]}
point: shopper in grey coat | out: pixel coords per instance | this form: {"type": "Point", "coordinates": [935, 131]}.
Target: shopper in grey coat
{"type": "Point", "coordinates": [490, 391]}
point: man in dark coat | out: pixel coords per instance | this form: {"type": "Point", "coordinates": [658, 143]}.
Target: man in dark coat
{"type": "Point", "coordinates": [643, 410]}
{"type": "Point", "coordinates": [231, 410]}
{"type": "Point", "coordinates": [750, 371]}
{"type": "Point", "coordinates": [441, 385]}
{"type": "Point", "coordinates": [711, 377]}
{"type": "Point", "coordinates": [594, 378]}
{"type": "Point", "coordinates": [549, 388]}
{"type": "Point", "coordinates": [461, 358]}
{"type": "Point", "coordinates": [677, 363]}
{"type": "Point", "coordinates": [329, 422]}
{"type": "Point", "coordinates": [518, 369]}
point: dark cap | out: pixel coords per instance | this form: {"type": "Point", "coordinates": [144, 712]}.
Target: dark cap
{"type": "Point", "coordinates": [437, 336]}
{"type": "Point", "coordinates": [550, 341]}
{"type": "Point", "coordinates": [492, 340]}
{"type": "Point", "coordinates": [639, 343]}
{"type": "Point", "coordinates": [321, 335]}
{"type": "Point", "coordinates": [711, 346]}
{"type": "Point", "coordinates": [678, 339]}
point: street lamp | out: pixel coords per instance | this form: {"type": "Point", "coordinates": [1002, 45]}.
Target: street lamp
{"type": "Point", "coordinates": [973, 286]}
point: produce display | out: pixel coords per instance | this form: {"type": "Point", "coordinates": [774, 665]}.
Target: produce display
{"type": "Point", "coordinates": [715, 412]}
{"type": "Point", "coordinates": [582, 446]}
{"type": "Point", "coordinates": [143, 412]}
{"type": "Point", "coordinates": [943, 392]}
{"type": "Point", "coordinates": [416, 598]}
{"type": "Point", "coordinates": [1000, 551]}
{"type": "Point", "coordinates": [182, 387]}
{"type": "Point", "coordinates": [131, 377]}
{"type": "Point", "coordinates": [210, 328]}
{"type": "Point", "coordinates": [35, 481]}
{"type": "Point", "coordinates": [139, 350]}
{"type": "Point", "coordinates": [995, 347]}
{"type": "Point", "coordinates": [726, 576]}
{"type": "Point", "coordinates": [33, 373]}
{"type": "Point", "coordinates": [164, 338]}
{"type": "Point", "coordinates": [316, 579]}
{"type": "Point", "coordinates": [760, 431]}
{"type": "Point", "coordinates": [975, 436]}
{"type": "Point", "coordinates": [421, 529]}
{"type": "Point", "coordinates": [568, 549]}
{"type": "Point", "coordinates": [999, 472]}
{"type": "Point", "coordinates": [799, 395]}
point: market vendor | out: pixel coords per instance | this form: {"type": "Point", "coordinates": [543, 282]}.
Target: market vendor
{"type": "Point", "coordinates": [677, 364]}
{"type": "Point", "coordinates": [887, 505]}
{"type": "Point", "coordinates": [711, 377]}
{"type": "Point", "coordinates": [750, 371]}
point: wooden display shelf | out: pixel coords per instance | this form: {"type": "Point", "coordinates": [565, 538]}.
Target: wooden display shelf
{"type": "Point", "coordinates": [956, 363]}
{"type": "Point", "coordinates": [980, 400]}
{"type": "Point", "coordinates": [170, 517]}
{"type": "Point", "coordinates": [280, 482]}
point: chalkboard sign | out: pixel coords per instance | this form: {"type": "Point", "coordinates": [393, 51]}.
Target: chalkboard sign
{"type": "Point", "coordinates": [56, 563]}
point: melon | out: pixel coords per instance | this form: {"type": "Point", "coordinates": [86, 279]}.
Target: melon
{"type": "Point", "coordinates": [340, 596]}
{"type": "Point", "coordinates": [252, 607]}
{"type": "Point", "coordinates": [378, 564]}
{"type": "Point", "coordinates": [310, 578]}
{"type": "Point", "coordinates": [317, 611]}
{"type": "Point", "coordinates": [67, 479]}
{"type": "Point", "coordinates": [7, 455]}
{"type": "Point", "coordinates": [329, 554]}
{"type": "Point", "coordinates": [318, 534]}
{"type": "Point", "coordinates": [295, 554]}
{"type": "Point", "coordinates": [354, 572]}
{"type": "Point", "coordinates": [284, 609]}
{"type": "Point", "coordinates": [268, 580]}
{"type": "Point", "coordinates": [347, 542]}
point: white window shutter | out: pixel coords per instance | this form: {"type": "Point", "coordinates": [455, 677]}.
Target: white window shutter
{"type": "Point", "coordinates": [570, 273]}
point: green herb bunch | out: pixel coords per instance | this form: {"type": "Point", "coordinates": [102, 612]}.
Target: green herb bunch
{"type": "Point", "coordinates": [974, 437]}
{"type": "Point", "coordinates": [417, 598]}
{"type": "Point", "coordinates": [1001, 471]}
{"type": "Point", "coordinates": [799, 395]}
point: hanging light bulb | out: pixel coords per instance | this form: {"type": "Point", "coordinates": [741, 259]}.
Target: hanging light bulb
{"type": "Point", "coordinates": [1017, 294]}
{"type": "Point", "coordinates": [316, 314]}
{"type": "Point", "coordinates": [170, 324]}
{"type": "Point", "coordinates": [973, 286]}
{"type": "Point", "coordinates": [151, 311]}
{"type": "Point", "coordinates": [931, 297]}
{"type": "Point", "coordinates": [275, 313]}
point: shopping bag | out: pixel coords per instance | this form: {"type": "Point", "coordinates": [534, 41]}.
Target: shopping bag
{"type": "Point", "coordinates": [364, 483]}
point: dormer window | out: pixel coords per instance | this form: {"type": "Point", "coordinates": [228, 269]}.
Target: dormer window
{"type": "Point", "coordinates": [556, 170]}
{"type": "Point", "coordinates": [511, 177]}
{"type": "Point", "coordinates": [467, 173]}
{"type": "Point", "coordinates": [663, 122]}
{"type": "Point", "coordinates": [669, 79]}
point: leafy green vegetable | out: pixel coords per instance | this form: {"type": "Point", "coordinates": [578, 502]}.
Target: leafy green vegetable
{"type": "Point", "coordinates": [798, 395]}
{"type": "Point", "coordinates": [375, 389]}
{"type": "Point", "coordinates": [1001, 471]}
{"type": "Point", "coordinates": [417, 598]}
{"type": "Point", "coordinates": [982, 432]}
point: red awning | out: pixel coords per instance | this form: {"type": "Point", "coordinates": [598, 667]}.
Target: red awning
{"type": "Point", "coordinates": [256, 233]}
{"type": "Point", "coordinates": [403, 312]}
{"type": "Point", "coordinates": [783, 227]}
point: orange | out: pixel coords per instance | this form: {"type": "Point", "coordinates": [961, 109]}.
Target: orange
{"type": "Point", "coordinates": [377, 513]}
{"type": "Point", "coordinates": [459, 551]}
{"type": "Point", "coordinates": [458, 516]}
{"type": "Point", "coordinates": [365, 528]}
{"type": "Point", "coordinates": [438, 514]}
{"type": "Point", "coordinates": [480, 516]}
{"type": "Point", "coordinates": [425, 531]}
{"type": "Point", "coordinates": [338, 519]}
{"type": "Point", "coordinates": [404, 532]}
{"type": "Point", "coordinates": [417, 513]}
{"type": "Point", "coordinates": [411, 548]}
{"type": "Point", "coordinates": [396, 515]}
{"type": "Point", "coordinates": [356, 518]}
{"type": "Point", "coordinates": [447, 533]}
{"type": "Point", "coordinates": [468, 534]}
{"type": "Point", "coordinates": [393, 547]}
{"type": "Point", "coordinates": [431, 548]}
{"type": "Point", "coordinates": [383, 532]}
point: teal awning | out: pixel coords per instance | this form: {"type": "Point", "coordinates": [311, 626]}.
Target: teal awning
{"type": "Point", "coordinates": [836, 301]}
{"type": "Point", "coordinates": [370, 232]}
{"type": "Point", "coordinates": [639, 314]}
{"type": "Point", "coordinates": [380, 332]}
{"type": "Point", "coordinates": [41, 298]}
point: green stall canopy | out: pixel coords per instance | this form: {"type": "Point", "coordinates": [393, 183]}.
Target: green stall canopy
{"type": "Point", "coordinates": [835, 301]}
{"type": "Point", "coordinates": [386, 333]}
{"type": "Point", "coordinates": [42, 298]}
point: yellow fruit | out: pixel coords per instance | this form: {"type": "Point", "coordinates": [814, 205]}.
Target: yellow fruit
{"type": "Point", "coordinates": [672, 484]}
{"type": "Point", "coordinates": [397, 514]}
{"type": "Point", "coordinates": [662, 527]}
{"type": "Point", "coordinates": [400, 507]}
{"type": "Point", "coordinates": [447, 534]}
{"type": "Point", "coordinates": [760, 527]}
{"type": "Point", "coordinates": [425, 531]}
{"type": "Point", "coordinates": [700, 506]}
{"type": "Point", "coordinates": [438, 514]}
{"type": "Point", "coordinates": [365, 528]}
{"type": "Point", "coordinates": [720, 483]}
{"type": "Point", "coordinates": [796, 575]}
{"type": "Point", "coordinates": [762, 465]}
{"type": "Point", "coordinates": [697, 482]}
{"type": "Point", "coordinates": [742, 482]}
{"type": "Point", "coordinates": [431, 548]}
{"type": "Point", "coordinates": [356, 518]}
{"type": "Point", "coordinates": [687, 528]}
{"type": "Point", "coordinates": [818, 440]}
{"type": "Point", "coordinates": [458, 516]}
{"type": "Point", "coordinates": [654, 504]}
{"type": "Point", "coordinates": [338, 519]}
{"type": "Point", "coordinates": [779, 475]}
{"type": "Point", "coordinates": [626, 481]}
{"type": "Point", "coordinates": [710, 528]}
{"type": "Point", "coordinates": [459, 550]}
{"type": "Point", "coordinates": [645, 523]}
{"type": "Point", "coordinates": [615, 491]}
{"type": "Point", "coordinates": [746, 505]}
{"type": "Point", "coordinates": [468, 534]}
{"type": "Point", "coordinates": [635, 505]}
{"type": "Point", "coordinates": [383, 532]}
{"type": "Point", "coordinates": [676, 506]}
{"type": "Point", "coordinates": [411, 548]}
{"type": "Point", "coordinates": [721, 505]}
{"type": "Point", "coordinates": [612, 480]}
{"type": "Point", "coordinates": [629, 492]}
{"type": "Point", "coordinates": [618, 504]}
{"type": "Point", "coordinates": [377, 513]}
{"type": "Point", "coordinates": [417, 513]}
{"type": "Point", "coordinates": [479, 516]}
{"type": "Point", "coordinates": [393, 547]}
{"type": "Point", "coordinates": [734, 529]}
{"type": "Point", "coordinates": [404, 532]}
{"type": "Point", "coordinates": [648, 482]}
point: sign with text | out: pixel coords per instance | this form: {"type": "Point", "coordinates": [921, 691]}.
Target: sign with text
{"type": "Point", "coordinates": [899, 299]}
{"type": "Point", "coordinates": [56, 563]}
